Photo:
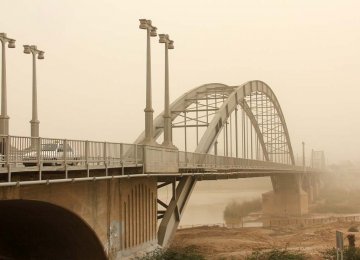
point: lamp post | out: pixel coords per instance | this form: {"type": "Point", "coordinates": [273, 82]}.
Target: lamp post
{"type": "Point", "coordinates": [149, 111]}
{"type": "Point", "coordinates": [34, 120]}
{"type": "Point", "coordinates": [169, 44]}
{"type": "Point", "coordinates": [4, 118]}
{"type": "Point", "coordinates": [303, 157]}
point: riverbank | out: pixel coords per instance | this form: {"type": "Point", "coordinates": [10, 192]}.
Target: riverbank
{"type": "Point", "coordinates": [217, 243]}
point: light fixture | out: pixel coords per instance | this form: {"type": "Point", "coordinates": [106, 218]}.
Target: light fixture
{"type": "Point", "coordinates": [27, 49]}
{"type": "Point", "coordinates": [41, 55]}
{"type": "Point", "coordinates": [11, 43]}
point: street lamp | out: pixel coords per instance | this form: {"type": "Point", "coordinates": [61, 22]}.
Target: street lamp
{"type": "Point", "coordinates": [4, 118]}
{"type": "Point", "coordinates": [169, 44]}
{"type": "Point", "coordinates": [149, 128]}
{"type": "Point", "coordinates": [34, 121]}
{"type": "Point", "coordinates": [303, 157]}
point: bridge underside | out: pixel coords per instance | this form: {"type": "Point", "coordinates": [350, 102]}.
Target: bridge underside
{"type": "Point", "coordinates": [94, 218]}
{"type": "Point", "coordinates": [38, 230]}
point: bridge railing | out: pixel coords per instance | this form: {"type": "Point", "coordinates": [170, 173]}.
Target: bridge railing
{"type": "Point", "coordinates": [209, 161]}
{"type": "Point", "coordinates": [18, 151]}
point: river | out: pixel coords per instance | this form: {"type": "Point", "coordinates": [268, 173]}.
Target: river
{"type": "Point", "coordinates": [209, 198]}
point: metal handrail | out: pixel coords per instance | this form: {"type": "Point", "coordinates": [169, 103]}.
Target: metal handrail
{"type": "Point", "coordinates": [20, 151]}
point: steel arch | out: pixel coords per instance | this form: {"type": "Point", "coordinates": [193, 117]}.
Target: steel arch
{"type": "Point", "coordinates": [181, 104]}
{"type": "Point", "coordinates": [237, 96]}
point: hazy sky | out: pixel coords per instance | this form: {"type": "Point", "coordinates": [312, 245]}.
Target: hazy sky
{"type": "Point", "coordinates": [91, 84]}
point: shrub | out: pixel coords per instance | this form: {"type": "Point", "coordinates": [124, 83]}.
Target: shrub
{"type": "Point", "coordinates": [187, 253]}
{"type": "Point", "coordinates": [350, 253]}
{"type": "Point", "coordinates": [353, 229]}
{"type": "Point", "coordinates": [235, 212]}
{"type": "Point", "coordinates": [277, 254]}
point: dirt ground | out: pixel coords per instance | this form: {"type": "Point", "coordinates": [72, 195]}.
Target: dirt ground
{"type": "Point", "coordinates": [236, 243]}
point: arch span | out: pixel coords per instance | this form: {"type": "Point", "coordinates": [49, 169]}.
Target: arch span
{"type": "Point", "coordinates": [238, 97]}
{"type": "Point", "coordinates": [268, 122]}
{"type": "Point", "coordinates": [40, 230]}
{"type": "Point", "coordinates": [261, 107]}
{"type": "Point", "coordinates": [182, 103]}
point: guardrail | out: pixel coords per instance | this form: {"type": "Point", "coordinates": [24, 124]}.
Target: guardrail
{"type": "Point", "coordinates": [16, 151]}
{"type": "Point", "coordinates": [19, 154]}
{"type": "Point", "coordinates": [210, 161]}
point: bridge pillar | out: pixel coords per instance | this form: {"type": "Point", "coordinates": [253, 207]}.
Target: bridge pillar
{"type": "Point", "coordinates": [287, 198]}
{"type": "Point", "coordinates": [315, 184]}
{"type": "Point", "coordinates": [311, 184]}
{"type": "Point", "coordinates": [308, 187]}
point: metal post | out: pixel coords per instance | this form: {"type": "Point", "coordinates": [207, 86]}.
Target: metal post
{"type": "Point", "coordinates": [148, 110]}
{"type": "Point", "coordinates": [207, 110]}
{"type": "Point", "coordinates": [87, 158]}
{"type": "Point", "coordinates": [136, 155]}
{"type": "Point", "coordinates": [197, 121]}
{"type": "Point", "coordinates": [246, 136]}
{"type": "Point", "coordinates": [185, 134]}
{"type": "Point", "coordinates": [225, 131]}
{"type": "Point", "coordinates": [105, 159]}
{"type": "Point", "coordinates": [34, 123]}
{"type": "Point", "coordinates": [225, 139]}
{"type": "Point", "coordinates": [149, 128]}
{"type": "Point", "coordinates": [303, 152]}
{"type": "Point", "coordinates": [4, 118]}
{"type": "Point", "coordinates": [251, 135]}
{"type": "Point", "coordinates": [312, 159]}
{"type": "Point", "coordinates": [236, 132]}
{"type": "Point", "coordinates": [216, 141]}
{"type": "Point", "coordinates": [257, 119]}
{"type": "Point", "coordinates": [122, 158]}
{"type": "Point", "coordinates": [38, 152]}
{"type": "Point", "coordinates": [230, 136]}
{"type": "Point", "coordinates": [64, 155]}
{"type": "Point", "coordinates": [8, 156]}
{"type": "Point", "coordinates": [243, 132]}
{"type": "Point", "coordinates": [164, 38]}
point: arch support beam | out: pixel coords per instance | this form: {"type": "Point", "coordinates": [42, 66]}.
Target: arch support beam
{"type": "Point", "coordinates": [175, 209]}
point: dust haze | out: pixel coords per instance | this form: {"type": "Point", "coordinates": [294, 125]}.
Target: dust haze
{"type": "Point", "coordinates": [94, 71]}
{"type": "Point", "coordinates": [91, 86]}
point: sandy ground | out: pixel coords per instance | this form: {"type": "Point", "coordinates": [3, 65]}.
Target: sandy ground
{"type": "Point", "coordinates": [236, 243]}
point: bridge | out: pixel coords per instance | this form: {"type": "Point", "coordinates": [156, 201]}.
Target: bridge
{"type": "Point", "coordinates": [81, 199]}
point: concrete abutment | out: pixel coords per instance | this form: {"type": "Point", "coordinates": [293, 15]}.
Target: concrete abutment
{"type": "Point", "coordinates": [121, 215]}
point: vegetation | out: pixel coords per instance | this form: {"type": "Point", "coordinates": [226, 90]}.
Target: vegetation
{"type": "Point", "coordinates": [187, 253]}
{"type": "Point", "coordinates": [277, 254]}
{"type": "Point", "coordinates": [350, 253]}
{"type": "Point", "coordinates": [338, 201]}
{"type": "Point", "coordinates": [235, 212]}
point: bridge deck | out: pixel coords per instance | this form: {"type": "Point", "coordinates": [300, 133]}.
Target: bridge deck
{"type": "Point", "coordinates": [25, 162]}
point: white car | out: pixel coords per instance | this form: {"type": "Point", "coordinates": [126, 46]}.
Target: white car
{"type": "Point", "coordinates": [50, 154]}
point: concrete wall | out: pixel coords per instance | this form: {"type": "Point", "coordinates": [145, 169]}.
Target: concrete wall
{"type": "Point", "coordinates": [122, 212]}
